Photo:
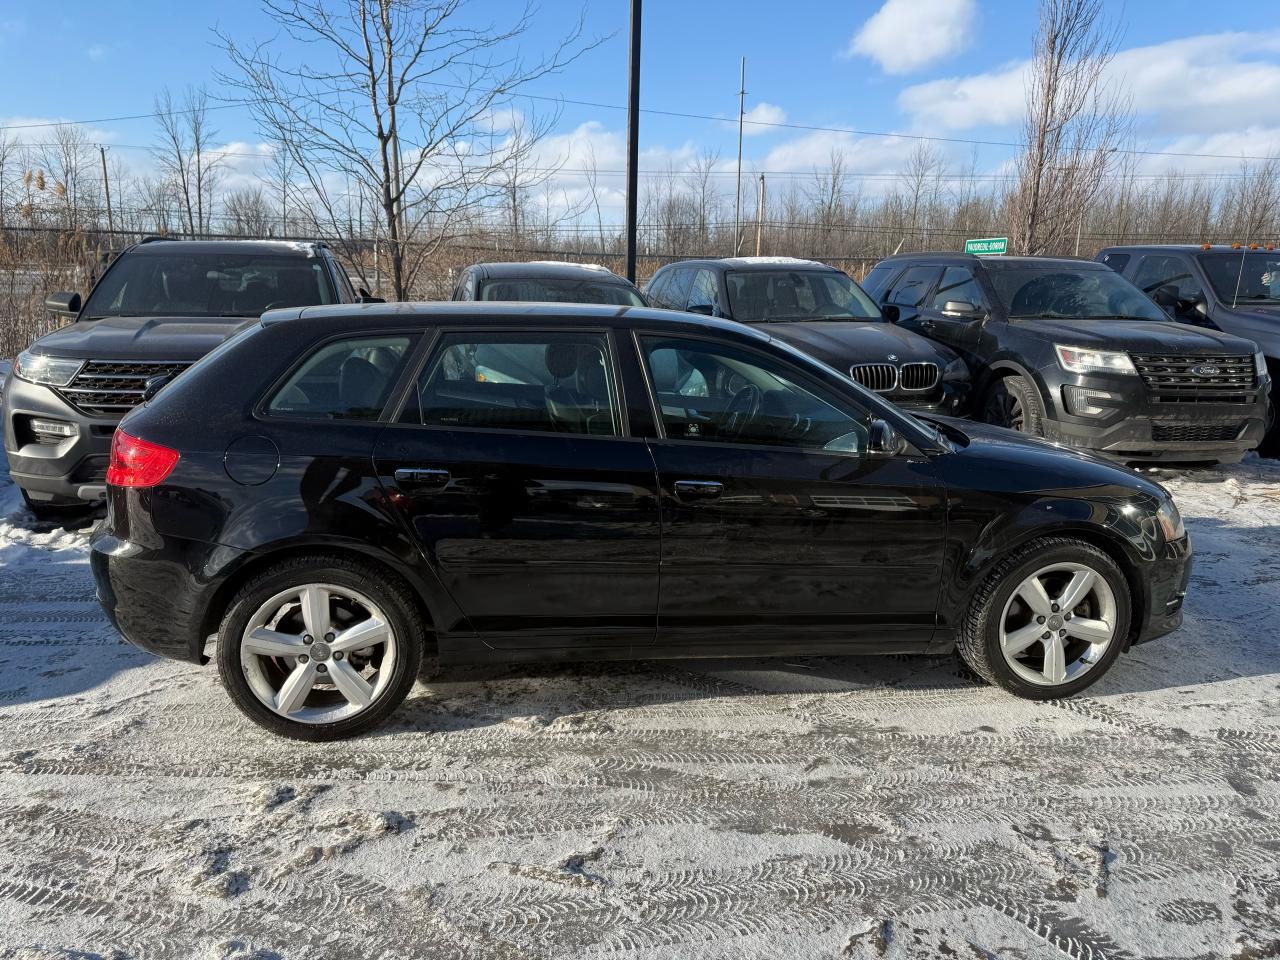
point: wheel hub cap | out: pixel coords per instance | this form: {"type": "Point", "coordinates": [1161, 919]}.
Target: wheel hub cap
{"type": "Point", "coordinates": [320, 651]}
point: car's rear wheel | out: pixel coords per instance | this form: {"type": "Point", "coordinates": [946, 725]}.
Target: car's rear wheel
{"type": "Point", "coordinates": [1049, 621]}
{"type": "Point", "coordinates": [320, 648]}
{"type": "Point", "coordinates": [1013, 402]}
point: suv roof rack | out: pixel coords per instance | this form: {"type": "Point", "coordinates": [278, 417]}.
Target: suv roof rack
{"type": "Point", "coordinates": [155, 239]}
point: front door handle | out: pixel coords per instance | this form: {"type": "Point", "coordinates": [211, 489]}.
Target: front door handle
{"type": "Point", "coordinates": [698, 489]}
{"type": "Point", "coordinates": [414, 477]}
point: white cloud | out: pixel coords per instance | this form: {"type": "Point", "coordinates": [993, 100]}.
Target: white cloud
{"type": "Point", "coordinates": [1195, 85]}
{"type": "Point", "coordinates": [763, 113]}
{"type": "Point", "coordinates": [905, 35]}
{"type": "Point", "coordinates": [97, 53]}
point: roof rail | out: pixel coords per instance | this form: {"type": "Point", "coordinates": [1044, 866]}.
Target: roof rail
{"type": "Point", "coordinates": [154, 239]}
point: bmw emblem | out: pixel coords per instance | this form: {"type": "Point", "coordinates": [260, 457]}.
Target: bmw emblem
{"type": "Point", "coordinates": [893, 356]}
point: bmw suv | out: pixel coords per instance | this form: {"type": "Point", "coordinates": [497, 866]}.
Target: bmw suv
{"type": "Point", "coordinates": [159, 307]}
{"type": "Point", "coordinates": [1070, 351]}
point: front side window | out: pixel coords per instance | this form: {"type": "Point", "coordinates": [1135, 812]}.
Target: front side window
{"type": "Point", "coordinates": [346, 380]}
{"type": "Point", "coordinates": [1061, 291]}
{"type": "Point", "coordinates": [781, 295]}
{"type": "Point", "coordinates": [549, 290]}
{"type": "Point", "coordinates": [957, 284]}
{"type": "Point", "coordinates": [1116, 261]}
{"type": "Point", "coordinates": [720, 393]}
{"type": "Point", "coordinates": [913, 286]}
{"type": "Point", "coordinates": [181, 284]}
{"type": "Point", "coordinates": [552, 382]}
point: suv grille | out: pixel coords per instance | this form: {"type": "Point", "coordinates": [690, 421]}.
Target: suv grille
{"type": "Point", "coordinates": [880, 377]}
{"type": "Point", "coordinates": [1193, 432]}
{"type": "Point", "coordinates": [918, 376]}
{"type": "Point", "coordinates": [1197, 379]}
{"type": "Point", "coordinates": [111, 388]}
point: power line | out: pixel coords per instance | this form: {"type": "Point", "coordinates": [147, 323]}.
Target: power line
{"type": "Point", "coordinates": [775, 124]}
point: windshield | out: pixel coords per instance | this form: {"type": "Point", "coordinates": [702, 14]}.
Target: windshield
{"type": "Point", "coordinates": [770, 295]}
{"type": "Point", "coordinates": [207, 285]}
{"type": "Point", "coordinates": [1243, 275]}
{"type": "Point", "coordinates": [1056, 290]}
{"type": "Point", "coordinates": [551, 290]}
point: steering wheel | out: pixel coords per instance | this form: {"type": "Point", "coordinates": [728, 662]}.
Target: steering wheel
{"type": "Point", "coordinates": [742, 409]}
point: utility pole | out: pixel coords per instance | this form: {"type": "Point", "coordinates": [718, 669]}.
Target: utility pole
{"type": "Point", "coordinates": [633, 137]}
{"type": "Point", "coordinates": [106, 187]}
{"type": "Point", "coordinates": [737, 198]}
{"type": "Point", "coordinates": [759, 215]}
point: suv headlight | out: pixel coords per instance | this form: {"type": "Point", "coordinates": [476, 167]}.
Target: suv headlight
{"type": "Point", "coordinates": [1171, 521]}
{"type": "Point", "coordinates": [1260, 365]}
{"type": "Point", "coordinates": [1087, 360]}
{"type": "Point", "coordinates": [955, 371]}
{"type": "Point", "coordinates": [47, 371]}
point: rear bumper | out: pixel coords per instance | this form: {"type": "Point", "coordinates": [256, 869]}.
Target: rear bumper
{"type": "Point", "coordinates": [1166, 589]}
{"type": "Point", "coordinates": [1135, 429]}
{"type": "Point", "coordinates": [157, 596]}
{"type": "Point", "coordinates": [69, 471]}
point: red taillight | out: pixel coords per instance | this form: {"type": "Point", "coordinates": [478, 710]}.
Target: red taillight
{"type": "Point", "coordinates": [138, 463]}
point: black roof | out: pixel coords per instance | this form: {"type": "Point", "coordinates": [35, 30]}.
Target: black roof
{"type": "Point", "coordinates": [1183, 248]}
{"type": "Point", "coordinates": [392, 315]}
{"type": "Point", "coordinates": [257, 248]}
{"type": "Point", "coordinates": [947, 257]}
{"type": "Point", "coordinates": [548, 269]}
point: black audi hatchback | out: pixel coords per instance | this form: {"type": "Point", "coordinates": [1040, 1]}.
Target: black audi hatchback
{"type": "Point", "coordinates": [338, 492]}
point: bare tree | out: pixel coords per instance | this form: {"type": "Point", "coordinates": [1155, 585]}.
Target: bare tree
{"type": "Point", "coordinates": [248, 214]}
{"type": "Point", "coordinates": [70, 160]}
{"type": "Point", "coordinates": [1073, 125]}
{"type": "Point", "coordinates": [8, 161]}
{"type": "Point", "coordinates": [184, 151]}
{"type": "Point", "coordinates": [395, 102]}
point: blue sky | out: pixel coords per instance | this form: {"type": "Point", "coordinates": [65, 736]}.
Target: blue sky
{"type": "Point", "coordinates": [1202, 77]}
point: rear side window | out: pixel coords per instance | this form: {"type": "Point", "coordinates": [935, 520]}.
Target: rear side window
{"type": "Point", "coordinates": [913, 286]}
{"type": "Point", "coordinates": [344, 380]}
{"type": "Point", "coordinates": [675, 293]}
{"type": "Point", "coordinates": [878, 279]}
{"type": "Point", "coordinates": [552, 382]}
{"type": "Point", "coordinates": [1116, 261]}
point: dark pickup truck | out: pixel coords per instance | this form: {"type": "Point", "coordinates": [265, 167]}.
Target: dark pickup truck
{"type": "Point", "coordinates": [158, 308]}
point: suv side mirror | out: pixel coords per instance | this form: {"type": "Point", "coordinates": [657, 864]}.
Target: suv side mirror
{"type": "Point", "coordinates": [883, 440]}
{"type": "Point", "coordinates": [891, 312]}
{"type": "Point", "coordinates": [364, 296]}
{"type": "Point", "coordinates": [962, 309]}
{"type": "Point", "coordinates": [154, 385]}
{"type": "Point", "coordinates": [65, 303]}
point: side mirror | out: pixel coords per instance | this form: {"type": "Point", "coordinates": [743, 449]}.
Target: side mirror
{"type": "Point", "coordinates": [65, 303]}
{"type": "Point", "coordinates": [702, 309]}
{"type": "Point", "coordinates": [154, 385]}
{"type": "Point", "coordinates": [891, 312]}
{"type": "Point", "coordinates": [370, 300]}
{"type": "Point", "coordinates": [962, 310]}
{"type": "Point", "coordinates": [883, 440]}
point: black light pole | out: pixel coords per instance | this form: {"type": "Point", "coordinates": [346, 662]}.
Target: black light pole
{"type": "Point", "coordinates": [633, 138]}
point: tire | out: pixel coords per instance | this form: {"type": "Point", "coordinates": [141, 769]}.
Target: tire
{"type": "Point", "coordinates": [994, 606]}
{"type": "Point", "coordinates": [350, 592]}
{"type": "Point", "coordinates": [1270, 446]}
{"type": "Point", "coordinates": [1014, 402]}
{"type": "Point", "coordinates": [49, 512]}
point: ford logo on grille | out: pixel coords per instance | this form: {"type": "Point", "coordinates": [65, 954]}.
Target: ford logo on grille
{"type": "Point", "coordinates": [1206, 370]}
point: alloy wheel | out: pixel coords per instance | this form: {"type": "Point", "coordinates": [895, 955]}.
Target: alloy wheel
{"type": "Point", "coordinates": [1058, 624]}
{"type": "Point", "coordinates": [1005, 410]}
{"type": "Point", "coordinates": [318, 653]}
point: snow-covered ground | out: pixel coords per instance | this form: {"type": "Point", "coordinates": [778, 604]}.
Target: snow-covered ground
{"type": "Point", "coordinates": [820, 807]}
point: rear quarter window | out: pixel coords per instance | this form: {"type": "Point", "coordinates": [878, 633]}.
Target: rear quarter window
{"type": "Point", "coordinates": [878, 279]}
{"type": "Point", "coordinates": [347, 379]}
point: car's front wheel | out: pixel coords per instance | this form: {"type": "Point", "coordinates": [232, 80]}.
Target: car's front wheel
{"type": "Point", "coordinates": [1049, 620]}
{"type": "Point", "coordinates": [320, 648]}
{"type": "Point", "coordinates": [1013, 402]}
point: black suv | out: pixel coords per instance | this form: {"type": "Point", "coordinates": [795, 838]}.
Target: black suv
{"type": "Point", "coordinates": [546, 281]}
{"type": "Point", "coordinates": [818, 309]}
{"type": "Point", "coordinates": [159, 307]}
{"type": "Point", "coordinates": [339, 492]}
{"type": "Point", "coordinates": [1232, 289]}
{"type": "Point", "coordinates": [1068, 350]}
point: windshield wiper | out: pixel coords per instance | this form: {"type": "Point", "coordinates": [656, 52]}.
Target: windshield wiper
{"type": "Point", "coordinates": [1046, 315]}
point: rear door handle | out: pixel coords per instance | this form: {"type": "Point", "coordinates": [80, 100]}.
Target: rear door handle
{"type": "Point", "coordinates": [698, 489]}
{"type": "Point", "coordinates": [414, 477]}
